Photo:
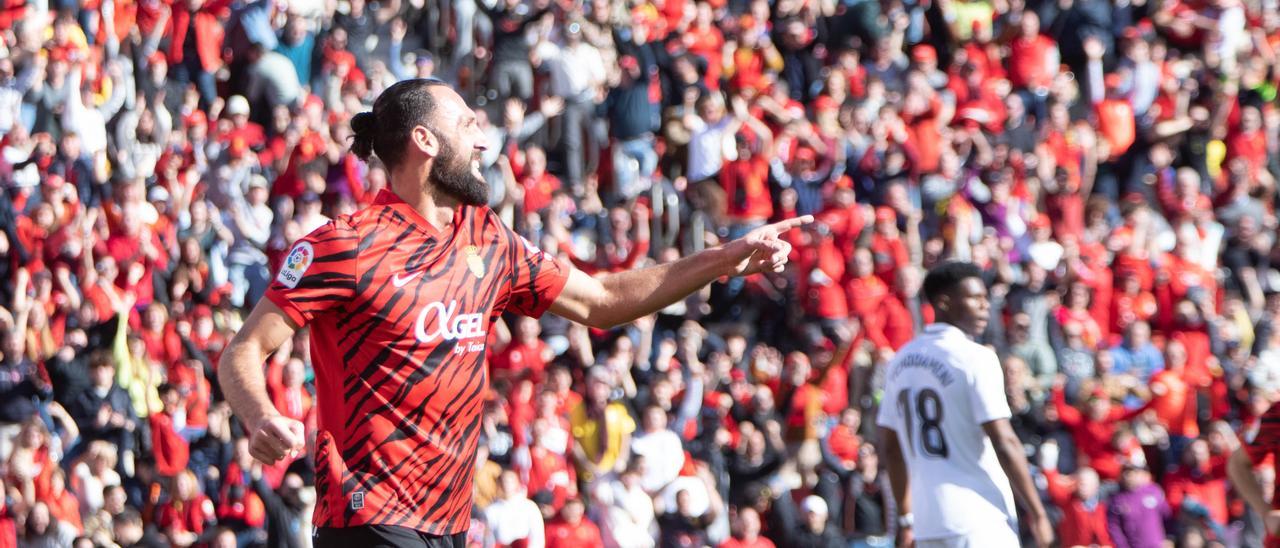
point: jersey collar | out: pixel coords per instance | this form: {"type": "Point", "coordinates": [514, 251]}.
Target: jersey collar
{"type": "Point", "coordinates": [390, 199]}
{"type": "Point", "coordinates": [944, 329]}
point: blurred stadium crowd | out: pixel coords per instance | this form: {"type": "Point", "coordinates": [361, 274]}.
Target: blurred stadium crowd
{"type": "Point", "coordinates": [1111, 165]}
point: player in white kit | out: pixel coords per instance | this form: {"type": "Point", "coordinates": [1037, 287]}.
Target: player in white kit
{"type": "Point", "coordinates": [944, 428]}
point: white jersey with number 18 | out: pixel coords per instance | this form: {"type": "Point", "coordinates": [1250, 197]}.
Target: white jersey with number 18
{"type": "Point", "coordinates": [939, 390]}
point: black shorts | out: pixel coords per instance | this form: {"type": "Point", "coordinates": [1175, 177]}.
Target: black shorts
{"type": "Point", "coordinates": [383, 536]}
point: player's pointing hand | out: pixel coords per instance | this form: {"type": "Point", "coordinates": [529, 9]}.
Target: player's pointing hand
{"type": "Point", "coordinates": [761, 250]}
{"type": "Point", "coordinates": [275, 438]}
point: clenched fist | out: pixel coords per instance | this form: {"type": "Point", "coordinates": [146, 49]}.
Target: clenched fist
{"type": "Point", "coordinates": [275, 438]}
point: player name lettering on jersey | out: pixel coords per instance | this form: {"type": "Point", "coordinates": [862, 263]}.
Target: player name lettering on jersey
{"type": "Point", "coordinates": [446, 326]}
{"type": "Point", "coordinates": [940, 370]}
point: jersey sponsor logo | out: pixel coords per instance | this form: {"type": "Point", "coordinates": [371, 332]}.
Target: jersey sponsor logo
{"type": "Point", "coordinates": [438, 321]}
{"type": "Point", "coordinates": [296, 264]}
{"type": "Point", "coordinates": [399, 281]}
{"type": "Point", "coordinates": [475, 263]}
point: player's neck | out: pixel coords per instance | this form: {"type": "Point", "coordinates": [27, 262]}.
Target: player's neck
{"type": "Point", "coordinates": [945, 322]}
{"type": "Point", "coordinates": [433, 205]}
{"type": "Point", "coordinates": [948, 322]}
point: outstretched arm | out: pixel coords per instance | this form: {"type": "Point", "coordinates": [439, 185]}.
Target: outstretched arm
{"type": "Point", "coordinates": [621, 297]}
{"type": "Point", "coordinates": [1067, 415]}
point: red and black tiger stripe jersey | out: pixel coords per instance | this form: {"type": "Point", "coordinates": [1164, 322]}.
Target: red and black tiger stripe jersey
{"type": "Point", "coordinates": [1262, 440]}
{"type": "Point", "coordinates": [399, 314]}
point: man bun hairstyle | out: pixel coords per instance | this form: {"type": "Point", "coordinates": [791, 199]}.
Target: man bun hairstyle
{"type": "Point", "coordinates": [362, 131]}
{"type": "Point", "coordinates": [385, 130]}
{"type": "Point", "coordinates": [946, 276]}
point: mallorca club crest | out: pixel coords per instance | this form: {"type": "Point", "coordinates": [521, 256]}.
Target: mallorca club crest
{"type": "Point", "coordinates": [474, 262]}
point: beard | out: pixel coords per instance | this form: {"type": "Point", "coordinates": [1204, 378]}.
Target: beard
{"type": "Point", "coordinates": [452, 174]}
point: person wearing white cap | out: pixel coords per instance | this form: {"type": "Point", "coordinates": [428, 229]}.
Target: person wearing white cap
{"type": "Point", "coordinates": [816, 530]}
{"type": "Point", "coordinates": [806, 525]}
{"type": "Point", "coordinates": [813, 504]}
{"type": "Point", "coordinates": [245, 135]}
{"type": "Point", "coordinates": [237, 105]}
{"type": "Point", "coordinates": [250, 222]}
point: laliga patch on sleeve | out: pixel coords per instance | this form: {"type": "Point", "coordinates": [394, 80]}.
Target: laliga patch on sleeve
{"type": "Point", "coordinates": [296, 264]}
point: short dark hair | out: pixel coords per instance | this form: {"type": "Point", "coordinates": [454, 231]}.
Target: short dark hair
{"type": "Point", "coordinates": [385, 130]}
{"type": "Point", "coordinates": [101, 358]}
{"type": "Point", "coordinates": [946, 276]}
{"type": "Point", "coordinates": [128, 517]}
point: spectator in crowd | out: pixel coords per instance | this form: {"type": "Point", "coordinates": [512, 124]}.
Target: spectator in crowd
{"type": "Point", "coordinates": [626, 510]}
{"type": "Point", "coordinates": [1136, 355]}
{"type": "Point", "coordinates": [869, 507]}
{"type": "Point", "coordinates": [185, 518]}
{"type": "Point", "coordinates": [1084, 514]}
{"type": "Point", "coordinates": [1136, 514]}
{"type": "Point", "coordinates": [812, 527]}
{"type": "Point", "coordinates": [284, 507]}
{"type": "Point", "coordinates": [746, 531]}
{"type": "Point", "coordinates": [1197, 491]}
{"type": "Point", "coordinates": [682, 524]}
{"type": "Point", "coordinates": [661, 448]}
{"type": "Point", "coordinates": [601, 429]}
{"type": "Point", "coordinates": [43, 530]}
{"type": "Point", "coordinates": [572, 529]}
{"type": "Point", "coordinates": [513, 517]}
{"type": "Point", "coordinates": [513, 75]}
{"type": "Point", "coordinates": [172, 450]}
{"type": "Point", "coordinates": [630, 112]}
{"type": "Point", "coordinates": [94, 474]}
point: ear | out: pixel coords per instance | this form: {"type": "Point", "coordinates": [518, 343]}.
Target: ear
{"type": "Point", "coordinates": [425, 140]}
{"type": "Point", "coordinates": [944, 303]}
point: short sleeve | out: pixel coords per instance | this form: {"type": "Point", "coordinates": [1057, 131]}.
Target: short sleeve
{"type": "Point", "coordinates": [1265, 438]}
{"type": "Point", "coordinates": [627, 424]}
{"type": "Point", "coordinates": [989, 400]}
{"type": "Point", "coordinates": [539, 278]}
{"type": "Point", "coordinates": [318, 274]}
{"type": "Point", "coordinates": [887, 416]}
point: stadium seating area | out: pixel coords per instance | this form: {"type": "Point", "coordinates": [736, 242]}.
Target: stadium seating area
{"type": "Point", "coordinates": [1111, 165]}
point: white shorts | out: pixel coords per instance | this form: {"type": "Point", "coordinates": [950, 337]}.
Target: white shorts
{"type": "Point", "coordinates": [994, 537]}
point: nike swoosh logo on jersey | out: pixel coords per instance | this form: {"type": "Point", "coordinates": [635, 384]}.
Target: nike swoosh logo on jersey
{"type": "Point", "coordinates": [402, 281]}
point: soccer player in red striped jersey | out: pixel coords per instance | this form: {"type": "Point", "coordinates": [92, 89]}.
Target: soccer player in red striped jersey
{"type": "Point", "coordinates": [1262, 440]}
{"type": "Point", "coordinates": [399, 298]}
